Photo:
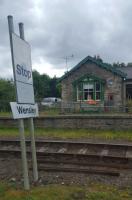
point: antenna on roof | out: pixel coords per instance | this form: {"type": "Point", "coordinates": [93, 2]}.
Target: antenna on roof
{"type": "Point", "coordinates": [66, 59]}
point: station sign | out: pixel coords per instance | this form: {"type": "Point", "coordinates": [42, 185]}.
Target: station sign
{"type": "Point", "coordinates": [21, 111]}
{"type": "Point", "coordinates": [21, 53]}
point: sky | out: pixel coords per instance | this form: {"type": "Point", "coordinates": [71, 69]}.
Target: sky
{"type": "Point", "coordinates": [71, 29]}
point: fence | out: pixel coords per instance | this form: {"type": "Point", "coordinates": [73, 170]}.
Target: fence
{"type": "Point", "coordinates": [80, 108]}
{"type": "Point", "coordinates": [73, 108]}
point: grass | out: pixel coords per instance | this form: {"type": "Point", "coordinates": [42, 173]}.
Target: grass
{"type": "Point", "coordinates": [71, 133]}
{"type": "Point", "coordinates": [93, 191]}
{"type": "Point", "coordinates": [49, 112]}
{"type": "Point", "coordinates": [5, 114]}
{"type": "Point", "coordinates": [55, 112]}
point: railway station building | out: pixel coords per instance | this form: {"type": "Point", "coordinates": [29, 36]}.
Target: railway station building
{"type": "Point", "coordinates": [96, 83]}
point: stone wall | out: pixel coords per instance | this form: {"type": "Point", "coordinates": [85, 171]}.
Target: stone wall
{"type": "Point", "coordinates": [78, 121]}
{"type": "Point", "coordinates": [91, 68]}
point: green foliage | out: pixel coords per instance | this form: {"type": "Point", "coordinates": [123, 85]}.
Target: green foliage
{"type": "Point", "coordinates": [92, 191]}
{"type": "Point", "coordinates": [119, 65]}
{"type": "Point", "coordinates": [41, 85]}
{"type": "Point", "coordinates": [36, 82]}
{"type": "Point", "coordinates": [7, 94]}
{"type": "Point", "coordinates": [58, 89]}
{"type": "Point", "coordinates": [44, 86]}
{"type": "Point", "coordinates": [2, 190]}
{"type": "Point", "coordinates": [129, 106]}
{"type": "Point", "coordinates": [71, 133]}
{"type": "Point", "coordinates": [55, 87]}
{"type": "Point", "coordinates": [129, 65]}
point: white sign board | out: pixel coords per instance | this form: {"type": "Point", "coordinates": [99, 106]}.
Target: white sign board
{"type": "Point", "coordinates": [23, 110]}
{"type": "Point", "coordinates": [22, 70]}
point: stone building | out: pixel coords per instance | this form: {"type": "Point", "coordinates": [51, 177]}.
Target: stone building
{"type": "Point", "coordinates": [95, 83]}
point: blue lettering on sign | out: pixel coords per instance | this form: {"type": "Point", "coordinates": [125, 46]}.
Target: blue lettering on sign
{"type": "Point", "coordinates": [23, 72]}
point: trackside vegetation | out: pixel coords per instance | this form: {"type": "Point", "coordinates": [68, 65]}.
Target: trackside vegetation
{"type": "Point", "coordinates": [71, 133]}
{"type": "Point", "coordinates": [44, 86]}
{"type": "Point", "coordinates": [94, 191]}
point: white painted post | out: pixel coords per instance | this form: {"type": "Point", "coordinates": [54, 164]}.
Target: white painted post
{"type": "Point", "coordinates": [23, 153]}
{"type": "Point", "coordinates": [31, 125]}
{"type": "Point", "coordinates": [20, 121]}
{"type": "Point", "coordinates": [33, 149]}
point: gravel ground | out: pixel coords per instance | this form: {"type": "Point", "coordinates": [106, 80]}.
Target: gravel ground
{"type": "Point", "coordinates": [11, 171]}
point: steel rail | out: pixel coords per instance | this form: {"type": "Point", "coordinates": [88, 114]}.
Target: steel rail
{"type": "Point", "coordinates": [53, 159]}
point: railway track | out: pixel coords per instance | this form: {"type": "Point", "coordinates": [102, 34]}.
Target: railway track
{"type": "Point", "coordinates": [74, 156]}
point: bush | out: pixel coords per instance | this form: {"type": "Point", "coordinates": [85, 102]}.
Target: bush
{"type": "Point", "coordinates": [129, 106]}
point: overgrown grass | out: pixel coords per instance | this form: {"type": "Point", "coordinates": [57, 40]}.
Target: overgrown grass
{"type": "Point", "coordinates": [71, 133]}
{"type": "Point", "coordinates": [56, 112]}
{"type": "Point", "coordinates": [45, 111]}
{"type": "Point", "coordinates": [93, 191]}
{"type": "Point", "coordinates": [5, 114]}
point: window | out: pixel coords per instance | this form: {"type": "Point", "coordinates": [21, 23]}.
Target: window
{"type": "Point", "coordinates": [129, 91]}
{"type": "Point", "coordinates": [87, 90]}
{"type": "Point", "coordinates": [97, 91]}
{"type": "Point", "coordinates": [79, 92]}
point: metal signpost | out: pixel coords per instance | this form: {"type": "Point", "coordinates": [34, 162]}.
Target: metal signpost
{"type": "Point", "coordinates": [25, 106]}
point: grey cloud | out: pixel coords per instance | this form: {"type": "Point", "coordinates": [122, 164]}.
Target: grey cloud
{"type": "Point", "coordinates": [60, 28]}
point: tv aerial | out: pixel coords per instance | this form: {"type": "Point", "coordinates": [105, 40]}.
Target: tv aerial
{"type": "Point", "coordinates": [66, 60]}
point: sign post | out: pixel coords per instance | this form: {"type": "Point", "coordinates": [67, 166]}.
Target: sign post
{"type": "Point", "coordinates": [31, 124]}
{"type": "Point", "coordinates": [25, 106]}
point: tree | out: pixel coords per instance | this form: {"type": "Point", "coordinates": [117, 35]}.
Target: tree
{"type": "Point", "coordinates": [37, 85]}
{"type": "Point", "coordinates": [41, 85]}
{"type": "Point", "coordinates": [129, 64]}
{"type": "Point", "coordinates": [119, 64]}
{"type": "Point", "coordinates": [7, 94]}
{"type": "Point", "coordinates": [58, 89]}
{"type": "Point", "coordinates": [55, 87]}
{"type": "Point", "coordinates": [44, 86]}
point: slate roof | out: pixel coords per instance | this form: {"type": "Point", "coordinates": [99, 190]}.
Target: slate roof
{"type": "Point", "coordinates": [106, 66]}
{"type": "Point", "coordinates": [127, 70]}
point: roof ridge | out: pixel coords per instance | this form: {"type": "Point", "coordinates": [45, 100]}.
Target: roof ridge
{"type": "Point", "coordinates": [112, 68]}
{"type": "Point", "coordinates": [106, 66]}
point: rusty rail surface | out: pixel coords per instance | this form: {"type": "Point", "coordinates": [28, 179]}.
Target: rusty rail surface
{"type": "Point", "coordinates": [75, 156]}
